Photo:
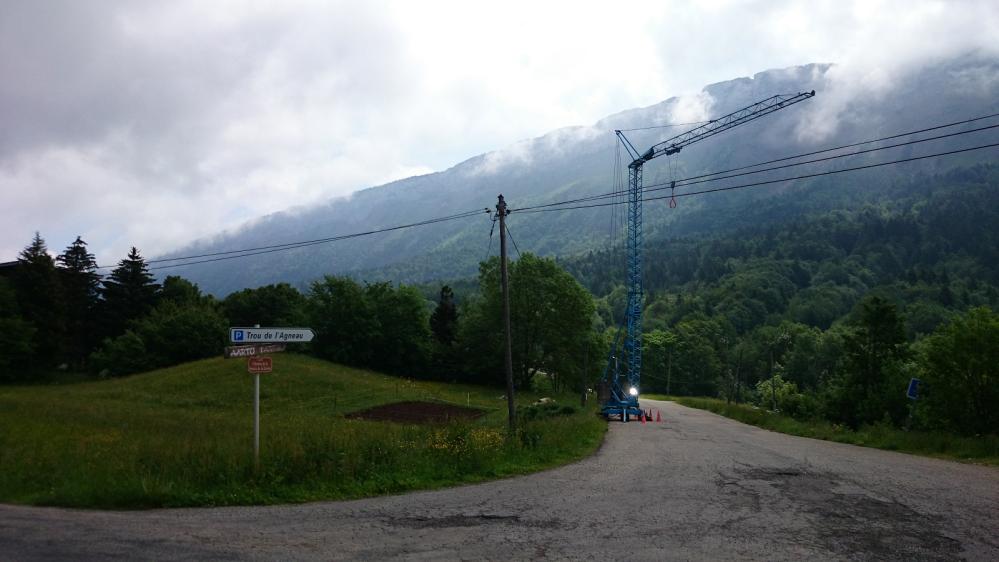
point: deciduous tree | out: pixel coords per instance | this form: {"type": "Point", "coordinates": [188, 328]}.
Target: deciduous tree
{"type": "Point", "coordinates": [551, 319]}
{"type": "Point", "coordinates": [960, 367]}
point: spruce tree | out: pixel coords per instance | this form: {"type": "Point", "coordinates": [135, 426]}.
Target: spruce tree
{"type": "Point", "coordinates": [129, 293]}
{"type": "Point", "coordinates": [17, 337]}
{"type": "Point", "coordinates": [39, 297]}
{"type": "Point", "coordinates": [444, 327]}
{"type": "Point", "coordinates": [444, 320]}
{"type": "Point", "coordinates": [80, 283]}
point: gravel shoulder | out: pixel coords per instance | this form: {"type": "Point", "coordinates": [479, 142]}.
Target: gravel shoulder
{"type": "Point", "coordinates": [696, 487]}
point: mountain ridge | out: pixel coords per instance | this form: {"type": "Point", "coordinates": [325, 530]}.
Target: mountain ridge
{"type": "Point", "coordinates": [565, 163]}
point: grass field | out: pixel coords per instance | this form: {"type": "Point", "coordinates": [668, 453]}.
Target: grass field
{"type": "Point", "coordinates": [939, 444]}
{"type": "Point", "coordinates": [183, 436]}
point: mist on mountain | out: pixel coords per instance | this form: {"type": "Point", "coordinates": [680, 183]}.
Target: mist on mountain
{"type": "Point", "coordinates": [574, 162]}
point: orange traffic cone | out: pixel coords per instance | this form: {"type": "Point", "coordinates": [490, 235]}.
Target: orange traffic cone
{"type": "Point", "coordinates": [659, 418]}
{"type": "Point", "coordinates": [643, 418]}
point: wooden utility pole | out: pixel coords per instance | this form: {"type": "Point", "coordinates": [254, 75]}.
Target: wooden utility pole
{"type": "Point", "coordinates": [508, 348]}
{"type": "Point", "coordinates": [669, 368]}
{"type": "Point", "coordinates": [738, 378]}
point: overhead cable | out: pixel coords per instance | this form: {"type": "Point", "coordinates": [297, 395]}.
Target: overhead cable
{"type": "Point", "coordinates": [768, 182]}
{"type": "Point", "coordinates": [245, 252]}
{"type": "Point", "coordinates": [690, 180]}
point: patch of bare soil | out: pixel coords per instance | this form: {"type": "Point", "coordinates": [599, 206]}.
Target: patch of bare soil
{"type": "Point", "coordinates": [417, 412]}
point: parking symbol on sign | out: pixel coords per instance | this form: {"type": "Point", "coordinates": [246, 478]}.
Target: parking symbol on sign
{"type": "Point", "coordinates": [237, 335]}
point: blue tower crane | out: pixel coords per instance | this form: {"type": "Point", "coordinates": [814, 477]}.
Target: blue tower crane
{"type": "Point", "coordinates": [625, 403]}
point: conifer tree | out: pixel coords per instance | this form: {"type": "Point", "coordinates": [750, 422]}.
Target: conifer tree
{"type": "Point", "coordinates": [444, 328]}
{"type": "Point", "coordinates": [80, 283]}
{"type": "Point", "coordinates": [129, 293]}
{"type": "Point", "coordinates": [444, 320]}
{"type": "Point", "coordinates": [17, 337]}
{"type": "Point", "coordinates": [39, 297]}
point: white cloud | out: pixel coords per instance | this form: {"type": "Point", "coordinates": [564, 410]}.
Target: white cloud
{"type": "Point", "coordinates": [157, 123]}
{"type": "Point", "coordinates": [691, 109]}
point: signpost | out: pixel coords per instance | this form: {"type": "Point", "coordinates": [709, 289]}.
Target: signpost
{"type": "Point", "coordinates": [253, 344]}
{"type": "Point", "coordinates": [257, 365]}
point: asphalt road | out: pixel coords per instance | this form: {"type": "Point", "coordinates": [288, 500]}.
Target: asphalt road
{"type": "Point", "coordinates": [697, 487]}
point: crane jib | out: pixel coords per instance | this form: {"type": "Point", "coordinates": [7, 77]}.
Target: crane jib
{"type": "Point", "coordinates": [749, 113]}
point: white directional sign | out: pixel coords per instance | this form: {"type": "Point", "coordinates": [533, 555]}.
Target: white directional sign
{"type": "Point", "coordinates": [270, 335]}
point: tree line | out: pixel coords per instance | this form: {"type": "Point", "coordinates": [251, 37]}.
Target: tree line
{"type": "Point", "coordinates": [60, 314]}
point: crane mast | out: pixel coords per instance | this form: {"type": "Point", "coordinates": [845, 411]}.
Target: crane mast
{"type": "Point", "coordinates": [621, 402]}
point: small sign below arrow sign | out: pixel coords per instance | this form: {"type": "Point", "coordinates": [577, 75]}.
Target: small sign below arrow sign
{"type": "Point", "coordinates": [257, 365]}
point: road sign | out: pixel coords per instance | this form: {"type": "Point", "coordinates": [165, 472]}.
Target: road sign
{"type": "Point", "coordinates": [271, 335]}
{"type": "Point", "coordinates": [913, 390]}
{"type": "Point", "coordinates": [257, 365]}
{"type": "Point", "coordinates": [236, 351]}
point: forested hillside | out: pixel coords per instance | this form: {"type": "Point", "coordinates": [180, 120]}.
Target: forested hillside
{"type": "Point", "coordinates": [580, 161]}
{"type": "Point", "coordinates": [929, 243]}
{"type": "Point", "coordinates": [826, 314]}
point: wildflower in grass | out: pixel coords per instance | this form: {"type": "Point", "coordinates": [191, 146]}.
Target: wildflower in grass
{"type": "Point", "coordinates": [485, 439]}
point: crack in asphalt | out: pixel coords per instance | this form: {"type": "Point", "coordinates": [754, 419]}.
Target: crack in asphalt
{"type": "Point", "coordinates": [463, 520]}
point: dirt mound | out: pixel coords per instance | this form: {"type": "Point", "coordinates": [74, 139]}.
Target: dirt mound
{"type": "Point", "coordinates": [417, 412]}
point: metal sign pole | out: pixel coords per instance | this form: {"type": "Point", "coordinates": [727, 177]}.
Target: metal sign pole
{"type": "Point", "coordinates": [262, 341]}
{"type": "Point", "coordinates": [256, 421]}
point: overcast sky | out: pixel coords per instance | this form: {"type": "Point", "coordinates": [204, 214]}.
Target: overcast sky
{"type": "Point", "coordinates": [156, 123]}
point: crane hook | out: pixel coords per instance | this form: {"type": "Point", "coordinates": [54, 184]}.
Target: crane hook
{"type": "Point", "coordinates": [672, 196]}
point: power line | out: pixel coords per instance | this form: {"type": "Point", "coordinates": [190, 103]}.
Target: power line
{"type": "Point", "coordinates": [246, 252]}
{"type": "Point", "coordinates": [512, 240]}
{"type": "Point", "coordinates": [831, 172]}
{"type": "Point", "coordinates": [259, 250]}
{"type": "Point", "coordinates": [852, 145]}
{"type": "Point", "coordinates": [768, 182]}
{"type": "Point", "coordinates": [689, 181]}
{"type": "Point", "coordinates": [489, 246]}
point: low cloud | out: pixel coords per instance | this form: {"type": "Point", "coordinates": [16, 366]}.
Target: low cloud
{"type": "Point", "coordinates": [691, 109]}
{"type": "Point", "coordinates": [888, 43]}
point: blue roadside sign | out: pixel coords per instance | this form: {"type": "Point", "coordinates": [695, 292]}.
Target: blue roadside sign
{"type": "Point", "coordinates": [271, 335]}
{"type": "Point", "coordinates": [913, 391]}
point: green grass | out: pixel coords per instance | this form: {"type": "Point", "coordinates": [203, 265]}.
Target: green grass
{"type": "Point", "coordinates": [939, 444]}
{"type": "Point", "coordinates": [183, 436]}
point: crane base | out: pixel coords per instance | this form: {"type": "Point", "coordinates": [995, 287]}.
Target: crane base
{"type": "Point", "coordinates": [622, 410]}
